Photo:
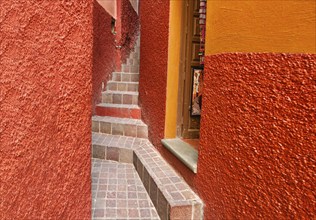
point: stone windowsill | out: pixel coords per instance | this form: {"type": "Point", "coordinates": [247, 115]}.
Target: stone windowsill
{"type": "Point", "coordinates": [183, 151]}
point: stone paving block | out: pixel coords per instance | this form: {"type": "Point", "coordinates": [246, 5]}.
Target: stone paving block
{"type": "Point", "coordinates": [134, 77]}
{"type": "Point", "coordinates": [127, 99]}
{"type": "Point", "coordinates": [146, 179]}
{"type": "Point", "coordinates": [112, 206]}
{"type": "Point", "coordinates": [153, 192]}
{"type": "Point", "coordinates": [105, 127]}
{"type": "Point", "coordinates": [134, 55]}
{"type": "Point", "coordinates": [120, 97]}
{"type": "Point", "coordinates": [140, 169]}
{"type": "Point", "coordinates": [180, 212]}
{"type": "Point", "coordinates": [116, 76]}
{"type": "Point", "coordinates": [135, 160]}
{"type": "Point", "coordinates": [122, 87]}
{"type": "Point", "coordinates": [118, 126]}
{"type": "Point", "coordinates": [95, 126]}
{"type": "Point", "coordinates": [112, 153]}
{"type": "Point", "coordinates": [142, 132]}
{"type": "Point", "coordinates": [117, 129]}
{"type": "Point", "coordinates": [107, 98]}
{"type": "Point", "coordinates": [135, 100]}
{"type": "Point", "coordinates": [117, 98]}
{"type": "Point", "coordinates": [130, 130]}
{"type": "Point", "coordinates": [129, 61]}
{"type": "Point", "coordinates": [197, 211]}
{"type": "Point", "coordinates": [163, 206]}
{"type": "Point", "coordinates": [132, 87]}
{"type": "Point", "coordinates": [134, 69]}
{"type": "Point", "coordinates": [99, 152]}
{"type": "Point", "coordinates": [125, 68]}
{"type": "Point", "coordinates": [126, 155]}
{"type": "Point", "coordinates": [112, 86]}
{"type": "Point", "coordinates": [126, 77]}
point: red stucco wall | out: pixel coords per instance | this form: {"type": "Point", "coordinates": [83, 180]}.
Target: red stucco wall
{"type": "Point", "coordinates": [258, 137]}
{"type": "Point", "coordinates": [45, 109]}
{"type": "Point", "coordinates": [154, 17]}
{"type": "Point", "coordinates": [127, 28]}
{"type": "Point", "coordinates": [106, 58]}
{"type": "Point", "coordinates": [104, 51]}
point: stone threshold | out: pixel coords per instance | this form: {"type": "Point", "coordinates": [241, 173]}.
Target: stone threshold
{"type": "Point", "coordinates": [183, 151]}
{"type": "Point", "coordinates": [171, 195]}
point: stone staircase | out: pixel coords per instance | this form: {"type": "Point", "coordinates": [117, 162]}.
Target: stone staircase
{"type": "Point", "coordinates": [118, 134]}
{"type": "Point", "coordinates": [121, 96]}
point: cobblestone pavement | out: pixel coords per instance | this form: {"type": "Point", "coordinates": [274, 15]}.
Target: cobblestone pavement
{"type": "Point", "coordinates": [118, 193]}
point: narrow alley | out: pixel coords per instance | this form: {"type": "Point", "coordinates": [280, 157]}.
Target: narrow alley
{"type": "Point", "coordinates": [157, 109]}
{"type": "Point", "coordinates": [140, 184]}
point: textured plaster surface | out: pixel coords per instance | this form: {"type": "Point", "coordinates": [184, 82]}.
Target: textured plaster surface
{"type": "Point", "coordinates": [45, 109]}
{"type": "Point", "coordinates": [127, 28]}
{"type": "Point", "coordinates": [261, 26]}
{"type": "Point", "coordinates": [154, 16]}
{"type": "Point", "coordinates": [257, 157]}
{"type": "Point", "coordinates": [104, 51]}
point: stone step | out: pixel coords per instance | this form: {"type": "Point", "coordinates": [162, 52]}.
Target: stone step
{"type": "Point", "coordinates": [170, 194]}
{"type": "Point", "coordinates": [115, 147]}
{"type": "Point", "coordinates": [126, 68]}
{"type": "Point", "coordinates": [136, 49]}
{"type": "Point", "coordinates": [125, 77]}
{"type": "Point", "coordinates": [118, 110]}
{"type": "Point", "coordinates": [134, 55]}
{"type": "Point", "coordinates": [120, 97]}
{"type": "Point", "coordinates": [119, 126]}
{"type": "Point", "coordinates": [122, 86]}
{"type": "Point", "coordinates": [132, 61]}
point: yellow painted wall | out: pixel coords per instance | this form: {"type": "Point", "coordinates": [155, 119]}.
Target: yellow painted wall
{"type": "Point", "coordinates": [261, 26]}
{"type": "Point", "coordinates": [173, 68]}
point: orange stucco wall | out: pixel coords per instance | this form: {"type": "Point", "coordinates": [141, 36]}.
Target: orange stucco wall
{"type": "Point", "coordinates": [261, 26]}
{"type": "Point", "coordinates": [45, 109]}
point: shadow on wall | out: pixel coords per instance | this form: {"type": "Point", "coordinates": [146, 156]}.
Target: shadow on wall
{"type": "Point", "coordinates": [104, 51]}
{"type": "Point", "coordinates": [127, 28]}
